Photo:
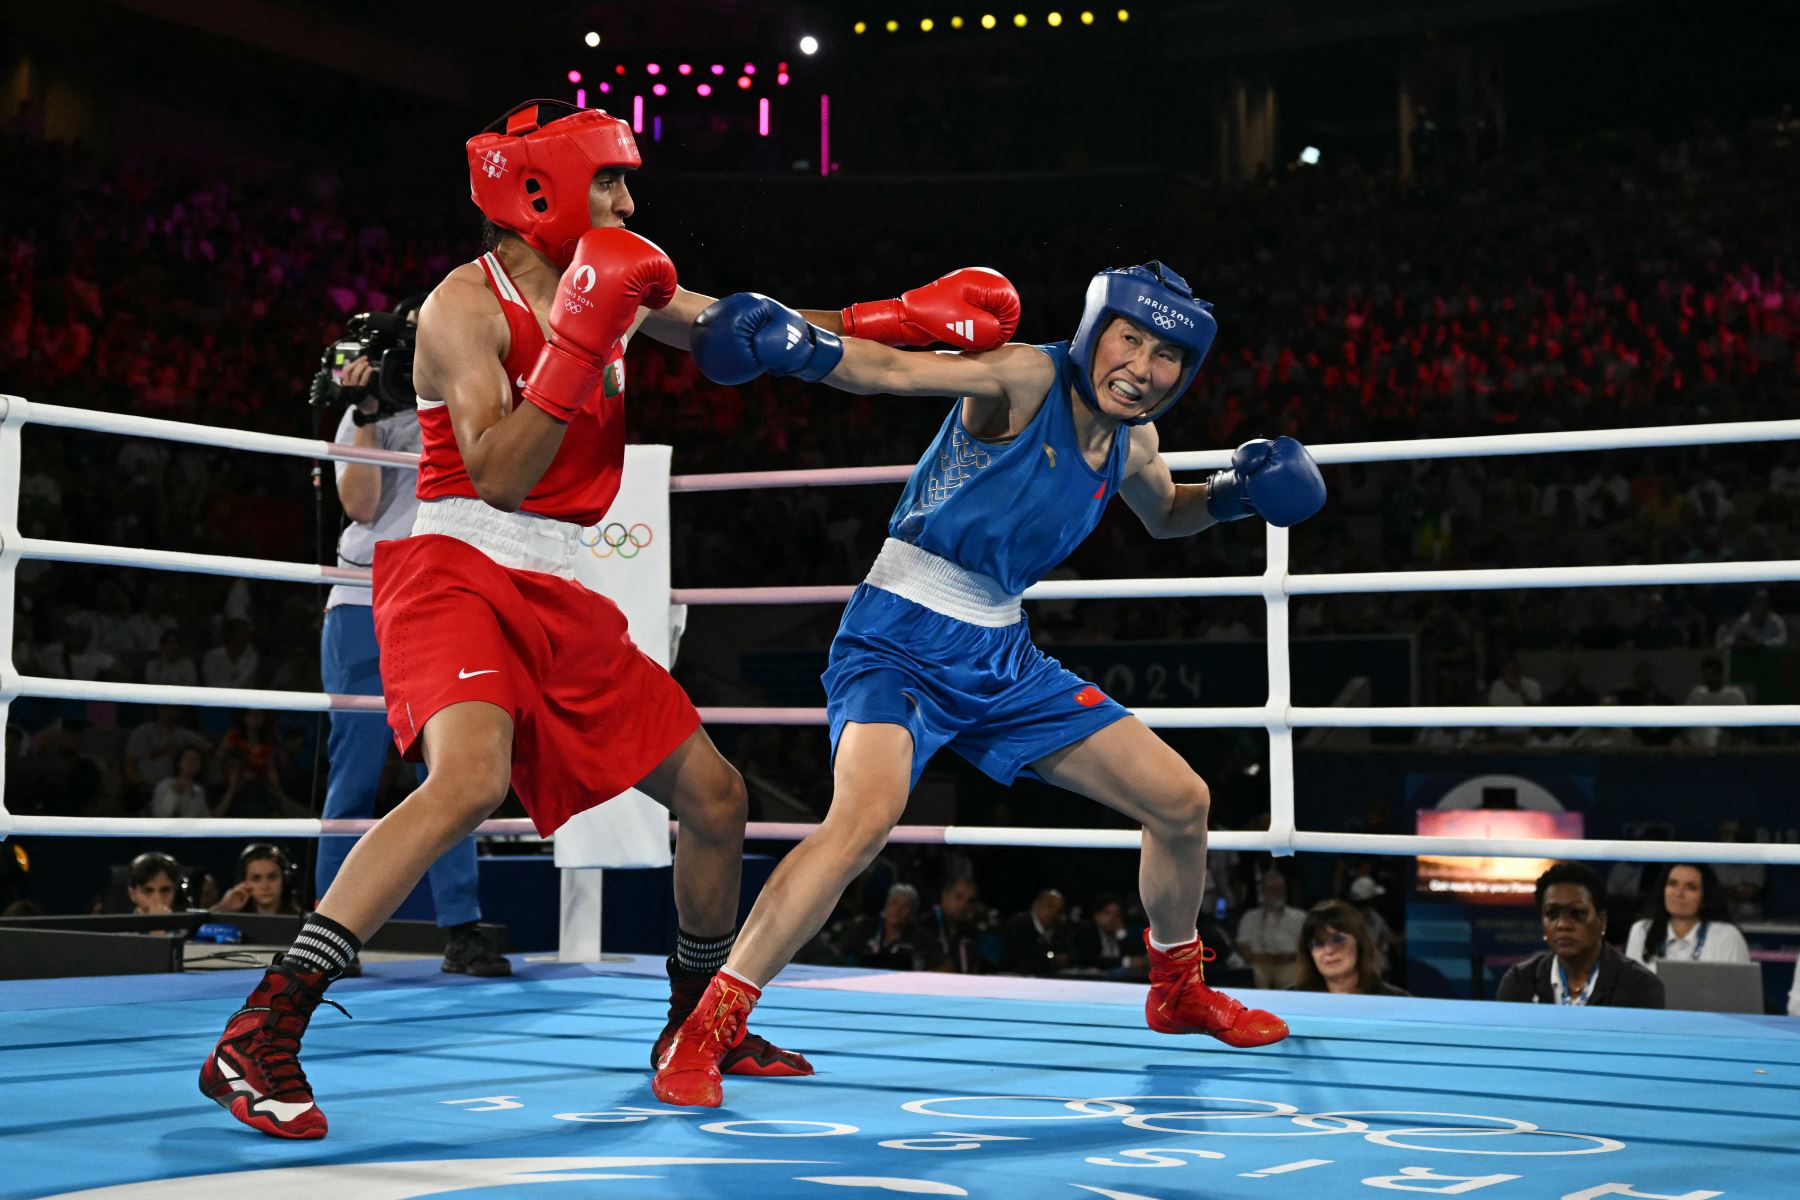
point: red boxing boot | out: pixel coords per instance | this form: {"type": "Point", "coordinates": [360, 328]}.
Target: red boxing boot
{"type": "Point", "coordinates": [754, 1055]}
{"type": "Point", "coordinates": [254, 1071]}
{"type": "Point", "coordinates": [1181, 1002]}
{"type": "Point", "coordinates": [687, 1071]}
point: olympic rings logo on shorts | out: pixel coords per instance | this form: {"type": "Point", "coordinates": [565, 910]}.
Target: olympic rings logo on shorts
{"type": "Point", "coordinates": [1163, 320]}
{"type": "Point", "coordinates": [614, 537]}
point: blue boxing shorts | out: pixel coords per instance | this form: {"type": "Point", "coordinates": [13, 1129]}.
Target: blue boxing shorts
{"type": "Point", "coordinates": [987, 693]}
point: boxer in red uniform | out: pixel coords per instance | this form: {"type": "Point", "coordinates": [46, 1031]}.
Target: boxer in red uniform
{"type": "Point", "coordinates": [498, 667]}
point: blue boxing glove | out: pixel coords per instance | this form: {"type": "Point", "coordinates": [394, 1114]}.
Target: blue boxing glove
{"type": "Point", "coordinates": [743, 335]}
{"type": "Point", "coordinates": [1278, 481]}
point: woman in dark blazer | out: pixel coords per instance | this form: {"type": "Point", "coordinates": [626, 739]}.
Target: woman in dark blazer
{"type": "Point", "coordinates": [1579, 968]}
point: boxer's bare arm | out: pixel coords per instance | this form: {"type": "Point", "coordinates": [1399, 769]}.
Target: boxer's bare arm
{"type": "Point", "coordinates": [1016, 375]}
{"type": "Point", "coordinates": [463, 341]}
{"type": "Point", "coordinates": [670, 325]}
{"type": "Point", "coordinates": [1167, 509]}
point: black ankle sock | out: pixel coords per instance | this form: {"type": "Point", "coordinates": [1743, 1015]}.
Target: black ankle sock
{"type": "Point", "coordinates": [466, 929]}
{"type": "Point", "coordinates": [702, 954]}
{"type": "Point", "coordinates": [323, 945]}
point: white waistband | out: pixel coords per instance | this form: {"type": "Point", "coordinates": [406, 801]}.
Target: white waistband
{"type": "Point", "coordinates": [942, 586]}
{"type": "Point", "coordinates": [522, 541]}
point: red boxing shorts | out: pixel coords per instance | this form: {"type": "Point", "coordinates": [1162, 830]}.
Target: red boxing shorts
{"type": "Point", "coordinates": [592, 714]}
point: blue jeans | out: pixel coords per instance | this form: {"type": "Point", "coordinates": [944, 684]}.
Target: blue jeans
{"type": "Point", "coordinates": [350, 663]}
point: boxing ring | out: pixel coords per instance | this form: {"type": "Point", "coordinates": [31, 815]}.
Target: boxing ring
{"type": "Point", "coordinates": [927, 1084]}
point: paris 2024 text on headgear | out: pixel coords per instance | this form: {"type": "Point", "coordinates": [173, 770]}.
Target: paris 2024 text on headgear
{"type": "Point", "coordinates": [1156, 298]}
{"type": "Point", "coordinates": [529, 171]}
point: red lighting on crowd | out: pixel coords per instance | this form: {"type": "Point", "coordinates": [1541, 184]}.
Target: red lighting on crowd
{"type": "Point", "coordinates": [574, 76]}
{"type": "Point", "coordinates": [704, 89]}
{"type": "Point", "coordinates": [743, 81]}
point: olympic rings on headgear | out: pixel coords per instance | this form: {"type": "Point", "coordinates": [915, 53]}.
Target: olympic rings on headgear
{"type": "Point", "coordinates": [627, 541]}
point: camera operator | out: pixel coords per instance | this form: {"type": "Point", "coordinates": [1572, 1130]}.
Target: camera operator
{"type": "Point", "coordinates": [379, 503]}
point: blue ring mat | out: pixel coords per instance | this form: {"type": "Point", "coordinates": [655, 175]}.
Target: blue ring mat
{"type": "Point", "coordinates": [928, 1085]}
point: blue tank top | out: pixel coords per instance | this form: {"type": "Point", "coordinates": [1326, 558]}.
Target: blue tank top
{"type": "Point", "coordinates": [1010, 510]}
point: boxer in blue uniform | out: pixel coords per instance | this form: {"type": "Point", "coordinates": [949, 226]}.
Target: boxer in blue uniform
{"type": "Point", "coordinates": [934, 649]}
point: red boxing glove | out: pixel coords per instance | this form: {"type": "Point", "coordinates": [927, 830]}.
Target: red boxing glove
{"type": "Point", "coordinates": [972, 309]}
{"type": "Point", "coordinates": [614, 273]}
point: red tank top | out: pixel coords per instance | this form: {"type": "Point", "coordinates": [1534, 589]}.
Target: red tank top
{"type": "Point", "coordinates": [583, 478]}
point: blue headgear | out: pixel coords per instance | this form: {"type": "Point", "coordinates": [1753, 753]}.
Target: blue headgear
{"type": "Point", "coordinates": [1156, 298]}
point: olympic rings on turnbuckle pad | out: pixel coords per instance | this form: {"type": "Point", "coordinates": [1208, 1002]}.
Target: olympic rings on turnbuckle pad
{"type": "Point", "coordinates": [615, 537]}
{"type": "Point", "coordinates": [1294, 1122]}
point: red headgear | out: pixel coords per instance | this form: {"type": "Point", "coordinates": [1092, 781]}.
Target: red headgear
{"type": "Point", "coordinates": [530, 170]}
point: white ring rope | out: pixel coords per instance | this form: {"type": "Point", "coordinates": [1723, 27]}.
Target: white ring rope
{"type": "Point", "coordinates": [1572, 716]}
{"type": "Point", "coordinates": [1275, 586]}
{"type": "Point", "coordinates": [17, 408]}
{"type": "Point", "coordinates": [1394, 845]}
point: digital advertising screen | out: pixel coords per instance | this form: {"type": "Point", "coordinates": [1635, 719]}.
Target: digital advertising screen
{"type": "Point", "coordinates": [1488, 880]}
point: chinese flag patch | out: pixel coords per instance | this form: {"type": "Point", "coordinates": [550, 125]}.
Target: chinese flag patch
{"type": "Point", "coordinates": [1089, 696]}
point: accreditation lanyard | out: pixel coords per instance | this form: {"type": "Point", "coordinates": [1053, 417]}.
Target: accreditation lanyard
{"type": "Point", "coordinates": [1699, 943]}
{"type": "Point", "coordinates": [1565, 996]}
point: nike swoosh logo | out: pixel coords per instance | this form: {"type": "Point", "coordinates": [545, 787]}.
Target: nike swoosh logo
{"type": "Point", "coordinates": [473, 674]}
{"type": "Point", "coordinates": [519, 383]}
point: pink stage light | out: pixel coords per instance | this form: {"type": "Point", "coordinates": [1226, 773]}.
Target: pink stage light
{"type": "Point", "coordinates": [762, 116]}
{"type": "Point", "coordinates": [661, 89]}
{"type": "Point", "coordinates": [749, 68]}
{"type": "Point", "coordinates": [718, 68]}
{"type": "Point", "coordinates": [574, 76]}
{"type": "Point", "coordinates": [580, 97]}
{"type": "Point", "coordinates": [782, 79]}
{"type": "Point", "coordinates": [656, 129]}
{"type": "Point", "coordinates": [654, 69]}
{"type": "Point", "coordinates": [704, 89]}
{"type": "Point", "coordinates": [605, 86]}
{"type": "Point", "coordinates": [743, 81]}
{"type": "Point", "coordinates": [686, 68]}
{"type": "Point", "coordinates": [637, 114]}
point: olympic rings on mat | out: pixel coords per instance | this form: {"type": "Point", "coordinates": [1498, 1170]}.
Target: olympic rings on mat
{"type": "Point", "coordinates": [739, 1128]}
{"type": "Point", "coordinates": [1125, 1110]}
{"type": "Point", "coordinates": [1078, 1113]}
{"type": "Point", "coordinates": [614, 537]}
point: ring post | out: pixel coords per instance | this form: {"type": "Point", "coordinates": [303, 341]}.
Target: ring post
{"type": "Point", "coordinates": [14, 412]}
{"type": "Point", "coordinates": [1281, 734]}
